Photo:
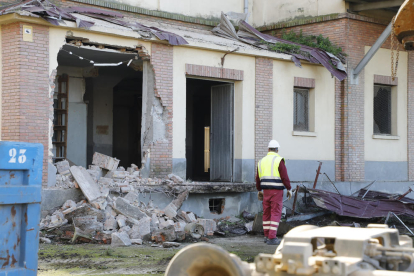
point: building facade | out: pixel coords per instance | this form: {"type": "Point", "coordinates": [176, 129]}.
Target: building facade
{"type": "Point", "coordinates": [206, 110]}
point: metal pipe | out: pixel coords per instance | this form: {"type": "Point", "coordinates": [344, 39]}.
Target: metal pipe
{"type": "Point", "coordinates": [364, 61]}
{"type": "Point", "coordinates": [369, 188]}
{"type": "Point", "coordinates": [332, 183]}
{"type": "Point", "coordinates": [317, 174]}
{"type": "Point", "coordinates": [406, 227]}
{"type": "Point", "coordinates": [364, 187]}
{"type": "Point", "coordinates": [406, 193]}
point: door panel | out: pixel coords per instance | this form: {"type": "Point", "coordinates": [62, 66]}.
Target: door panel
{"type": "Point", "coordinates": [221, 141]}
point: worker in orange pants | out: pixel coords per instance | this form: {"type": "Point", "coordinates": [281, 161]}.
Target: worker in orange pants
{"type": "Point", "coordinates": [272, 178]}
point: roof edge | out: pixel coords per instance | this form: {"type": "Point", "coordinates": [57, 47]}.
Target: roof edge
{"type": "Point", "coordinates": [138, 10]}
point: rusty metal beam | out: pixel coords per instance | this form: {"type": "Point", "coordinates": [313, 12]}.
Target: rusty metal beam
{"type": "Point", "coordinates": [376, 5]}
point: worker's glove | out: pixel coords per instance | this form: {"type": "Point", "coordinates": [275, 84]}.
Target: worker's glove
{"type": "Point", "coordinates": [260, 196]}
{"type": "Point", "coordinates": [289, 194]}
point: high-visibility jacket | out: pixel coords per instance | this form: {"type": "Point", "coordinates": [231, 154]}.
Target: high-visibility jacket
{"type": "Point", "coordinates": [268, 169]}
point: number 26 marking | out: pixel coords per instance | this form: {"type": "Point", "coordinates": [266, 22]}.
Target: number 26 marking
{"type": "Point", "coordinates": [21, 159]}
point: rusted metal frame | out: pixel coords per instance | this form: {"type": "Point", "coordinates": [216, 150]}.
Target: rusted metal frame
{"type": "Point", "coordinates": [317, 174]}
{"type": "Point", "coordinates": [332, 183]}
{"type": "Point", "coordinates": [294, 200]}
{"type": "Point", "coordinates": [369, 185]}
{"type": "Point", "coordinates": [406, 227]}
{"type": "Point", "coordinates": [406, 193]}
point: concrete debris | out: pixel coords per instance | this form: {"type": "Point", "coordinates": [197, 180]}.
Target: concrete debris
{"type": "Point", "coordinates": [171, 244]}
{"type": "Point", "coordinates": [45, 240]}
{"type": "Point", "coordinates": [209, 226]}
{"type": "Point", "coordinates": [120, 239]}
{"type": "Point", "coordinates": [136, 241]}
{"type": "Point", "coordinates": [105, 162]}
{"type": "Point", "coordinates": [113, 212]}
{"type": "Point", "coordinates": [176, 179]}
{"type": "Point", "coordinates": [194, 229]}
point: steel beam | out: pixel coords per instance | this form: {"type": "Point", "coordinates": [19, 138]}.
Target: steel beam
{"type": "Point", "coordinates": [376, 5]}
{"type": "Point", "coordinates": [364, 61]}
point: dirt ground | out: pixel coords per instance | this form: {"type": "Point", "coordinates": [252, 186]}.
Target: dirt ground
{"type": "Point", "coordinates": [93, 259]}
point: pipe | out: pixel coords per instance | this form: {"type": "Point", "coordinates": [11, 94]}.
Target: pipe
{"type": "Point", "coordinates": [317, 174]}
{"type": "Point", "coordinates": [246, 9]}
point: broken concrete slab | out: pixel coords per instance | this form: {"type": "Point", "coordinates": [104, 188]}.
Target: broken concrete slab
{"type": "Point", "coordinates": [134, 232]}
{"type": "Point", "coordinates": [136, 241]}
{"type": "Point", "coordinates": [85, 210]}
{"type": "Point", "coordinates": [166, 223]}
{"type": "Point", "coordinates": [180, 226]}
{"type": "Point", "coordinates": [88, 224]}
{"type": "Point", "coordinates": [132, 196]}
{"type": "Point", "coordinates": [171, 210]}
{"type": "Point", "coordinates": [110, 224]}
{"type": "Point", "coordinates": [120, 239]}
{"type": "Point", "coordinates": [121, 220]}
{"type": "Point", "coordinates": [171, 244]}
{"type": "Point", "coordinates": [178, 202]}
{"type": "Point", "coordinates": [175, 178]}
{"type": "Point", "coordinates": [209, 226]}
{"type": "Point", "coordinates": [88, 186]}
{"type": "Point", "coordinates": [81, 235]}
{"type": "Point", "coordinates": [68, 204]}
{"type": "Point", "coordinates": [63, 168]}
{"type": "Point", "coordinates": [104, 161]}
{"type": "Point", "coordinates": [163, 235]}
{"type": "Point", "coordinates": [189, 217]}
{"type": "Point", "coordinates": [123, 207]}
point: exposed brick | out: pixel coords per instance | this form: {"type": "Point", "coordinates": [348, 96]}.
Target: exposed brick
{"type": "Point", "coordinates": [25, 90]}
{"type": "Point", "coordinates": [304, 82]}
{"type": "Point", "coordinates": [213, 72]}
{"type": "Point", "coordinates": [264, 106]}
{"type": "Point", "coordinates": [385, 80]}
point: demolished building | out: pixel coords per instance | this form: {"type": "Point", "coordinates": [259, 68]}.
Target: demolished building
{"type": "Point", "coordinates": [198, 98]}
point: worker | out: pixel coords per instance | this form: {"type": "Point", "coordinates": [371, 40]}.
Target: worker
{"type": "Point", "coordinates": [272, 178]}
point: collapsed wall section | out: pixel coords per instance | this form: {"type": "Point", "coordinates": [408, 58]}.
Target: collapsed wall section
{"type": "Point", "coordinates": [157, 112]}
{"type": "Point", "coordinates": [25, 86]}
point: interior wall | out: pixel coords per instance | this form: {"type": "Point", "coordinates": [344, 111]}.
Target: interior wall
{"type": "Point", "coordinates": [77, 115]}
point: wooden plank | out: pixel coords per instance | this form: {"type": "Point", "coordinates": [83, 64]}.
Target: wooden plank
{"type": "Point", "coordinates": [88, 186]}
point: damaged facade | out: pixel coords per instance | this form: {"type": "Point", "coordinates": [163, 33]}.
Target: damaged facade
{"type": "Point", "coordinates": [175, 93]}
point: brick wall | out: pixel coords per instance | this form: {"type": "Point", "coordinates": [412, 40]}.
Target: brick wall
{"type": "Point", "coordinates": [161, 151]}
{"type": "Point", "coordinates": [25, 91]}
{"type": "Point", "coordinates": [264, 106]}
{"type": "Point", "coordinates": [410, 113]}
{"type": "Point", "coordinates": [352, 33]}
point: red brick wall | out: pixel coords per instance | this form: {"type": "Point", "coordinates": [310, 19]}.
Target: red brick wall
{"type": "Point", "coordinates": [25, 91]}
{"type": "Point", "coordinates": [264, 106]}
{"type": "Point", "coordinates": [161, 151]}
{"type": "Point", "coordinates": [410, 112]}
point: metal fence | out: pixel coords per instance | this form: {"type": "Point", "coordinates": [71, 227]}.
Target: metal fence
{"type": "Point", "coordinates": [301, 109]}
{"type": "Point", "coordinates": [382, 109]}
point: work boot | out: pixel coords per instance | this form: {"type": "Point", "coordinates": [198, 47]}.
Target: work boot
{"type": "Point", "coordinates": [265, 240]}
{"type": "Point", "coordinates": [274, 241]}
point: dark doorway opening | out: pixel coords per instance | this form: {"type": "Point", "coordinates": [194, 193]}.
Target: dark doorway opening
{"type": "Point", "coordinates": [203, 139]}
{"type": "Point", "coordinates": [127, 113]}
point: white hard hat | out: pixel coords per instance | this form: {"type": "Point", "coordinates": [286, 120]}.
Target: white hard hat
{"type": "Point", "coordinates": [273, 144]}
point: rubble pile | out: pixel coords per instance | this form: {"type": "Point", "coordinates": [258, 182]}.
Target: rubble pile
{"type": "Point", "coordinates": [112, 212]}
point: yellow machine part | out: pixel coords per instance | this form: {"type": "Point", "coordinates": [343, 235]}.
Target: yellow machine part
{"type": "Point", "coordinates": [404, 24]}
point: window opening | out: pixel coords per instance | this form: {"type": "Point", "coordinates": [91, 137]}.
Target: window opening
{"type": "Point", "coordinates": [382, 109]}
{"type": "Point", "coordinates": [216, 205]}
{"type": "Point", "coordinates": [301, 109]}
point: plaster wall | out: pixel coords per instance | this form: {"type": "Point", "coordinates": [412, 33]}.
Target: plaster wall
{"type": "Point", "coordinates": [243, 99]}
{"type": "Point", "coordinates": [293, 147]}
{"type": "Point", "coordinates": [77, 115]}
{"type": "Point", "coordinates": [385, 149]}
{"type": "Point", "coordinates": [261, 12]}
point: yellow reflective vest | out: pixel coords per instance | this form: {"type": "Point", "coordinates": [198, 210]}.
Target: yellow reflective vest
{"type": "Point", "coordinates": [268, 169]}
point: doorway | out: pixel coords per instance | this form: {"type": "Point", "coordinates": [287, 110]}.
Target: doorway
{"type": "Point", "coordinates": [127, 113]}
{"type": "Point", "coordinates": [209, 130]}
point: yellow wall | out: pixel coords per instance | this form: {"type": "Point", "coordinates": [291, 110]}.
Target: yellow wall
{"type": "Point", "coordinates": [379, 149]}
{"type": "Point", "coordinates": [320, 147]}
{"type": "Point", "coordinates": [244, 98]}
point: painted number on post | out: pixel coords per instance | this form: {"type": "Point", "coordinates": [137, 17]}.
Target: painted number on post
{"type": "Point", "coordinates": [21, 158]}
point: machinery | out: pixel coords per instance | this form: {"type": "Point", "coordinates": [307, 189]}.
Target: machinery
{"type": "Point", "coordinates": [308, 250]}
{"type": "Point", "coordinates": [404, 25]}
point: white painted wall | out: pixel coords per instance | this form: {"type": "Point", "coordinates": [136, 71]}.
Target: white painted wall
{"type": "Point", "coordinates": [77, 116]}
{"type": "Point", "coordinates": [380, 149]}
{"type": "Point", "coordinates": [321, 147]}
{"type": "Point", "coordinates": [261, 11]}
{"type": "Point", "coordinates": [244, 97]}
